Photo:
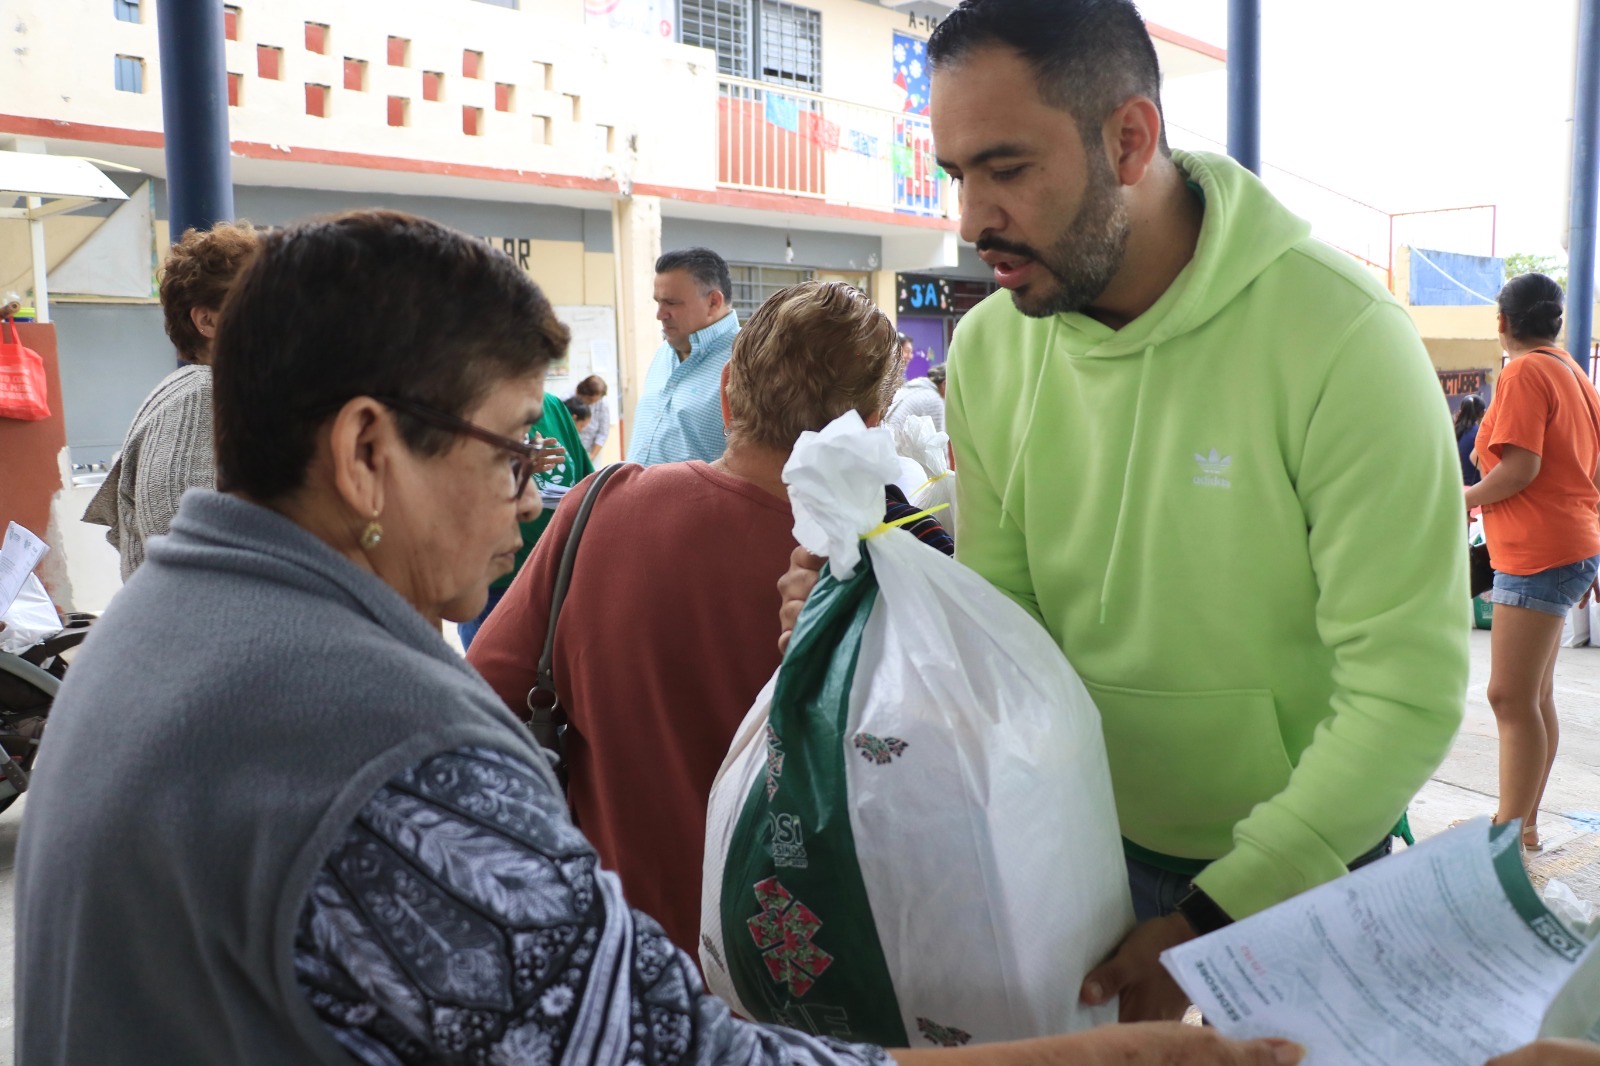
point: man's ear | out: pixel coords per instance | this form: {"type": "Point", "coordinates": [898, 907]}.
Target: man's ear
{"type": "Point", "coordinates": [1133, 138]}
{"type": "Point", "coordinates": [361, 440]}
{"type": "Point", "coordinates": [727, 412]}
{"type": "Point", "coordinates": [718, 301]}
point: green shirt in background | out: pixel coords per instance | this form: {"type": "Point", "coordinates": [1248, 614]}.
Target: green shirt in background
{"type": "Point", "coordinates": [556, 422]}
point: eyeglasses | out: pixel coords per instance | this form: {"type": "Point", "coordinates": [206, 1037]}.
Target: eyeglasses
{"type": "Point", "coordinates": [523, 454]}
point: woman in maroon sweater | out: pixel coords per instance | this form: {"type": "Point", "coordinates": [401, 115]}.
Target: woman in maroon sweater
{"type": "Point", "coordinates": [669, 628]}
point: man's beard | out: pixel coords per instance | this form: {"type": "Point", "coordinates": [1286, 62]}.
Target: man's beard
{"type": "Point", "coordinates": [1087, 256]}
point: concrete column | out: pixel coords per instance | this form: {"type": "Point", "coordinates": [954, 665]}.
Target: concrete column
{"type": "Point", "coordinates": [36, 254]}
{"type": "Point", "coordinates": [885, 294]}
{"type": "Point", "coordinates": [636, 239]}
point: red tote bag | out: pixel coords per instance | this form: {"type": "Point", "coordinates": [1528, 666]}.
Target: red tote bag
{"type": "Point", "coordinates": [23, 394]}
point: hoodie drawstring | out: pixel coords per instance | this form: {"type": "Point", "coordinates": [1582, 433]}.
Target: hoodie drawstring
{"type": "Point", "coordinates": [1027, 425]}
{"type": "Point", "coordinates": [1127, 479]}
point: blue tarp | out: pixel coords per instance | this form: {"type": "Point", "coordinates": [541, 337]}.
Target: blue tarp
{"type": "Point", "coordinates": [1450, 279]}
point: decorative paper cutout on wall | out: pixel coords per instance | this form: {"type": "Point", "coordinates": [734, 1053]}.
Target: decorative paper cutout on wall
{"type": "Point", "coordinates": [918, 180]}
{"type": "Point", "coordinates": [911, 73]}
{"type": "Point", "coordinates": [783, 111]}
{"type": "Point", "coordinates": [650, 18]}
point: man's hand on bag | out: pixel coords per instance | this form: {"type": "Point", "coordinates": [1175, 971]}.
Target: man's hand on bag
{"type": "Point", "coordinates": [1134, 971]}
{"type": "Point", "coordinates": [804, 571]}
{"type": "Point", "coordinates": [1151, 1044]}
{"type": "Point", "coordinates": [1551, 1053]}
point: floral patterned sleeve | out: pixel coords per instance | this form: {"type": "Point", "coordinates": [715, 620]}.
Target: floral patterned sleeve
{"type": "Point", "coordinates": [463, 918]}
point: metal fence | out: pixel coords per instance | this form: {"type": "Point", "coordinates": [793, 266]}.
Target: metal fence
{"type": "Point", "coordinates": [805, 144]}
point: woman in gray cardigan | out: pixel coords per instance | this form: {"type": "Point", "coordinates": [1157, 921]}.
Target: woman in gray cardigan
{"type": "Point", "coordinates": [168, 447]}
{"type": "Point", "coordinates": [280, 819]}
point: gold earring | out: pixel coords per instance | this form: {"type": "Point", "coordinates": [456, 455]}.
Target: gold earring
{"type": "Point", "coordinates": [371, 536]}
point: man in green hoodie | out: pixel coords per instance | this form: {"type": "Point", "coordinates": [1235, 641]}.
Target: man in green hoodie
{"type": "Point", "coordinates": [1229, 488]}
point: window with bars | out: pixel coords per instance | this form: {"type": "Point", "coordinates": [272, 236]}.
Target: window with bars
{"type": "Point", "coordinates": [791, 45]}
{"type": "Point", "coordinates": [770, 40]}
{"type": "Point", "coordinates": [753, 283]}
{"type": "Point", "coordinates": [722, 26]}
{"type": "Point", "coordinates": [127, 10]}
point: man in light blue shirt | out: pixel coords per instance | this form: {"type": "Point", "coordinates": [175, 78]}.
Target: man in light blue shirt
{"type": "Point", "coordinates": [680, 414]}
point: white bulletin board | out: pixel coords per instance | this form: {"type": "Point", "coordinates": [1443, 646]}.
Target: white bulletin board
{"type": "Point", "coordinates": [593, 349]}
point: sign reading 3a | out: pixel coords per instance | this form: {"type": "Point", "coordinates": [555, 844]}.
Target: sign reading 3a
{"type": "Point", "coordinates": [923, 294]}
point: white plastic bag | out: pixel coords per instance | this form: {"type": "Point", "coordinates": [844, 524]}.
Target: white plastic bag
{"type": "Point", "coordinates": [1579, 914]}
{"type": "Point", "coordinates": [30, 618]}
{"type": "Point", "coordinates": [1575, 631]}
{"type": "Point", "coordinates": [916, 438]}
{"type": "Point", "coordinates": [913, 839]}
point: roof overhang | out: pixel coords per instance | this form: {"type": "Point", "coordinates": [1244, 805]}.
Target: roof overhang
{"type": "Point", "coordinates": [58, 183]}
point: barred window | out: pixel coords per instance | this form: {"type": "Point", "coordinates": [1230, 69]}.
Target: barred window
{"type": "Point", "coordinates": [791, 45]}
{"type": "Point", "coordinates": [753, 283]}
{"type": "Point", "coordinates": [722, 26]}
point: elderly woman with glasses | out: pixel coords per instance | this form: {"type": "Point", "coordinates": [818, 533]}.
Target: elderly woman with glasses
{"type": "Point", "coordinates": [281, 820]}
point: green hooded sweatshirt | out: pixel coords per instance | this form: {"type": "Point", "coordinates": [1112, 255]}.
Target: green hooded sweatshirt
{"type": "Point", "coordinates": [1240, 515]}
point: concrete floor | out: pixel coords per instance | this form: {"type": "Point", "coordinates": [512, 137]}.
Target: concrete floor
{"type": "Point", "coordinates": [1464, 787]}
{"type": "Point", "coordinates": [1569, 820]}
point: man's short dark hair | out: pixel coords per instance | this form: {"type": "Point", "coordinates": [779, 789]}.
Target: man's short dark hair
{"type": "Point", "coordinates": [707, 268]}
{"type": "Point", "coordinates": [368, 303]}
{"type": "Point", "coordinates": [580, 411]}
{"type": "Point", "coordinates": [1088, 55]}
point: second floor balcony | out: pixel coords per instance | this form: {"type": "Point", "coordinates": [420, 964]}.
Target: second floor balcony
{"type": "Point", "coordinates": [780, 140]}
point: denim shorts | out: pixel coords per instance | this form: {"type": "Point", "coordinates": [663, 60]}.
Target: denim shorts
{"type": "Point", "coordinates": [1554, 591]}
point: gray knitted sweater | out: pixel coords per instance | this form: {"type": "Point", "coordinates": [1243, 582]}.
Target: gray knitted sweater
{"type": "Point", "coordinates": [168, 450]}
{"type": "Point", "coordinates": [241, 699]}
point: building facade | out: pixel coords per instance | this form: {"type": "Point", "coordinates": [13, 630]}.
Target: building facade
{"type": "Point", "coordinates": [583, 136]}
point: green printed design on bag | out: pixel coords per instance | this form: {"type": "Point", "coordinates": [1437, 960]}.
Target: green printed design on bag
{"type": "Point", "coordinates": [1507, 854]}
{"type": "Point", "coordinates": [801, 946]}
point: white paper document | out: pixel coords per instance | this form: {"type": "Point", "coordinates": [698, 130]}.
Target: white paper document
{"type": "Point", "coordinates": [19, 554]}
{"type": "Point", "coordinates": [1442, 954]}
{"type": "Point", "coordinates": [552, 495]}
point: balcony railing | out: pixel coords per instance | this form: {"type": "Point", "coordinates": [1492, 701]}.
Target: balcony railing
{"type": "Point", "coordinates": [773, 139]}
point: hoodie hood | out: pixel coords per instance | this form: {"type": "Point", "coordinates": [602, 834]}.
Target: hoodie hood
{"type": "Point", "coordinates": [1229, 256]}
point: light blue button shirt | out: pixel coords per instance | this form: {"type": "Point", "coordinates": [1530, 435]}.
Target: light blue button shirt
{"type": "Point", "coordinates": [680, 414]}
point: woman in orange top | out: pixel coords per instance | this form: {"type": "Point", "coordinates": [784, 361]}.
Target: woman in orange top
{"type": "Point", "coordinates": [1539, 449]}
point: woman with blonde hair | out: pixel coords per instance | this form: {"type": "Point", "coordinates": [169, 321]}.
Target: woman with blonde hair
{"type": "Point", "coordinates": [667, 633]}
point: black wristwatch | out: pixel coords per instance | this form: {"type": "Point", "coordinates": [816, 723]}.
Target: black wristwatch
{"type": "Point", "coordinates": [1202, 912]}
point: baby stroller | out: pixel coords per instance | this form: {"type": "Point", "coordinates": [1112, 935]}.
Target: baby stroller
{"type": "Point", "coordinates": [28, 684]}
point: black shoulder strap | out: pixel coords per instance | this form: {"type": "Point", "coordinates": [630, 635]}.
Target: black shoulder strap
{"type": "Point", "coordinates": [549, 721]}
{"type": "Point", "coordinates": [1552, 353]}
